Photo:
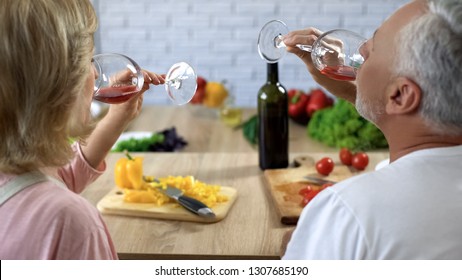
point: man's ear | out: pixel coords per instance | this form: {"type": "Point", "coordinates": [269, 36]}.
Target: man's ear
{"type": "Point", "coordinates": [405, 97]}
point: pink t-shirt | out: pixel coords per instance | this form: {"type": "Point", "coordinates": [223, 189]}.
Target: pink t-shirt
{"type": "Point", "coordinates": [47, 221]}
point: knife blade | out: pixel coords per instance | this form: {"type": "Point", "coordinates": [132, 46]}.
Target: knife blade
{"type": "Point", "coordinates": [191, 204]}
{"type": "Point", "coordinates": [318, 180]}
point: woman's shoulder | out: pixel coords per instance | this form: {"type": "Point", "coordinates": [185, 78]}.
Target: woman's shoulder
{"type": "Point", "coordinates": [53, 202]}
{"type": "Point", "coordinates": [54, 213]}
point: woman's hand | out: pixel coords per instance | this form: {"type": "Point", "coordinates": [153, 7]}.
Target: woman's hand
{"type": "Point", "coordinates": [122, 114]}
{"type": "Point", "coordinates": [342, 89]}
{"type": "Point", "coordinates": [119, 116]}
{"type": "Point", "coordinates": [152, 78]}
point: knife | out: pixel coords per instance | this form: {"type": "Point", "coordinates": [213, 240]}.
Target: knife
{"type": "Point", "coordinates": [191, 204]}
{"type": "Point", "coordinates": [318, 181]}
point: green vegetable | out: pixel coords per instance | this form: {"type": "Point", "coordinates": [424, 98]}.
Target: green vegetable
{"type": "Point", "coordinates": [139, 145]}
{"type": "Point", "coordinates": [341, 126]}
{"type": "Point", "coordinates": [249, 129]}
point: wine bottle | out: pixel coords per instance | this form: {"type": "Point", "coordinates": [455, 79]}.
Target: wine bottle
{"type": "Point", "coordinates": [273, 124]}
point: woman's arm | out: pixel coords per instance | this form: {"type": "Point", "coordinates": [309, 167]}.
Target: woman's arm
{"type": "Point", "coordinates": [108, 130]}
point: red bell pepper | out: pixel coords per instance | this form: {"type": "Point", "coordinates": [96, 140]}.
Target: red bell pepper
{"type": "Point", "coordinates": [298, 101]}
{"type": "Point", "coordinates": [318, 100]}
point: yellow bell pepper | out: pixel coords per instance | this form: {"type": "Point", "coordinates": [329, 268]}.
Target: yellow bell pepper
{"type": "Point", "coordinates": [120, 174]}
{"type": "Point", "coordinates": [215, 94]}
{"type": "Point", "coordinates": [129, 172]}
{"type": "Point", "coordinates": [135, 172]}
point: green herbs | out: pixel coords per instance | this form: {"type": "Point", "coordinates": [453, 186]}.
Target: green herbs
{"type": "Point", "coordinates": [164, 141]}
{"type": "Point", "coordinates": [341, 126]}
{"type": "Point", "coordinates": [250, 130]}
{"type": "Point", "coordinates": [139, 144]}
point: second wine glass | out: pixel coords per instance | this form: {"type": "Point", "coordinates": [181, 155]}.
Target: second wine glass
{"type": "Point", "coordinates": [119, 78]}
{"type": "Point", "coordinates": [335, 53]}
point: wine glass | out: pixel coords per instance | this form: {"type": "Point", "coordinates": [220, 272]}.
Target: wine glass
{"type": "Point", "coordinates": [119, 78]}
{"type": "Point", "coordinates": [335, 53]}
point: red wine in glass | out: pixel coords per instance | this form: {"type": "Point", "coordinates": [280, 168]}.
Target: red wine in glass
{"type": "Point", "coordinates": [116, 95]}
{"type": "Point", "coordinates": [119, 78]}
{"type": "Point", "coordinates": [341, 73]}
{"type": "Point", "coordinates": [335, 53]}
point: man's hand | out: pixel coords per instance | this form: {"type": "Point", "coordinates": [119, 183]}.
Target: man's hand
{"type": "Point", "coordinates": [342, 89]}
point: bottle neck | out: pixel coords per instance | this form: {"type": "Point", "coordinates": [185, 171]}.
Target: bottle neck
{"type": "Point", "coordinates": [272, 76]}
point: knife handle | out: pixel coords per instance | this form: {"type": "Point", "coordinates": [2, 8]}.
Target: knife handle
{"type": "Point", "coordinates": [196, 206]}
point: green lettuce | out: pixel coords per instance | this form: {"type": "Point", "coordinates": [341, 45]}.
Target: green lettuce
{"type": "Point", "coordinates": [341, 126]}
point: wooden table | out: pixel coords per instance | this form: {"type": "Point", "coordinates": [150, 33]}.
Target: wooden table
{"type": "Point", "coordinates": [204, 132]}
{"type": "Point", "coordinates": [252, 229]}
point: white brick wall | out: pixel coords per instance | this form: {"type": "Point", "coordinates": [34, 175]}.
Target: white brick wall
{"type": "Point", "coordinates": [219, 37]}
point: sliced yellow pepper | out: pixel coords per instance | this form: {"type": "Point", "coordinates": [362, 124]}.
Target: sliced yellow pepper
{"type": "Point", "coordinates": [129, 177]}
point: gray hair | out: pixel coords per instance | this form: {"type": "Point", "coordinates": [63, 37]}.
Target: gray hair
{"type": "Point", "coordinates": [430, 52]}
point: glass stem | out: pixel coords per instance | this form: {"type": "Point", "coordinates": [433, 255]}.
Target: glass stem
{"type": "Point", "coordinates": [306, 48]}
{"type": "Point", "coordinates": [279, 43]}
{"type": "Point", "coordinates": [175, 83]}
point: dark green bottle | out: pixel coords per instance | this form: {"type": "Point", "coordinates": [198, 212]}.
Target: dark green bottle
{"type": "Point", "coordinates": [273, 126]}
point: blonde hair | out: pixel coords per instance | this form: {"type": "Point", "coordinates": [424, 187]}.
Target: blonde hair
{"type": "Point", "coordinates": [45, 52]}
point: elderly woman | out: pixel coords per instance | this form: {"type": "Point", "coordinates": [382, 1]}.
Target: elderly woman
{"type": "Point", "coordinates": [46, 88]}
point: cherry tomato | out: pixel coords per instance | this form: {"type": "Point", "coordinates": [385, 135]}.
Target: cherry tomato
{"type": "Point", "coordinates": [345, 156]}
{"type": "Point", "coordinates": [309, 196]}
{"type": "Point", "coordinates": [305, 190]}
{"type": "Point", "coordinates": [309, 193]}
{"type": "Point", "coordinates": [305, 201]}
{"type": "Point", "coordinates": [325, 166]}
{"type": "Point", "coordinates": [360, 161]}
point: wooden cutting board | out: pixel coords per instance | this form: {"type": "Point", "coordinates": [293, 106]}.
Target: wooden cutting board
{"type": "Point", "coordinates": [113, 203]}
{"type": "Point", "coordinates": [284, 185]}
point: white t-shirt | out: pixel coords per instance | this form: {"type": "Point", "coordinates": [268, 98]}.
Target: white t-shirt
{"type": "Point", "coordinates": [410, 209]}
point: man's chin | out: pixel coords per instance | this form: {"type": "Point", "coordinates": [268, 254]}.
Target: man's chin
{"type": "Point", "coordinates": [365, 110]}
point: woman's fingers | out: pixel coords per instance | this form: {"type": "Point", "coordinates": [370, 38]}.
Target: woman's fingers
{"type": "Point", "coordinates": [153, 78]}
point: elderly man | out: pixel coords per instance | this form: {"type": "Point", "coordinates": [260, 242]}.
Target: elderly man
{"type": "Point", "coordinates": [410, 86]}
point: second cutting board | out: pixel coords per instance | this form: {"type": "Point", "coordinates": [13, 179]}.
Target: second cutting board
{"type": "Point", "coordinates": [284, 185]}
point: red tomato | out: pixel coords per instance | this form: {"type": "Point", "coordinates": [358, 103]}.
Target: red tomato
{"type": "Point", "coordinates": [198, 96]}
{"type": "Point", "coordinates": [309, 196]}
{"type": "Point", "coordinates": [309, 193]}
{"type": "Point", "coordinates": [305, 201]}
{"type": "Point", "coordinates": [360, 161]}
{"type": "Point", "coordinates": [325, 166]}
{"type": "Point", "coordinates": [201, 82]}
{"type": "Point", "coordinates": [200, 91]}
{"type": "Point", "coordinates": [345, 156]}
{"type": "Point", "coordinates": [305, 190]}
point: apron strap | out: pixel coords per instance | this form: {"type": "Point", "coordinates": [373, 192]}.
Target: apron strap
{"type": "Point", "coordinates": [24, 181]}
